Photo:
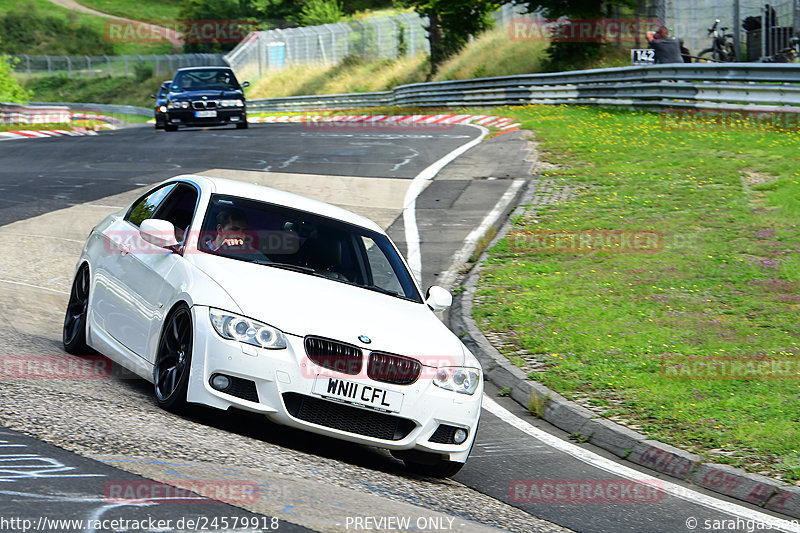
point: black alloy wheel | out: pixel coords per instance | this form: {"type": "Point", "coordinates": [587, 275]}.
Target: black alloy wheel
{"type": "Point", "coordinates": [74, 334]}
{"type": "Point", "coordinates": [173, 361]}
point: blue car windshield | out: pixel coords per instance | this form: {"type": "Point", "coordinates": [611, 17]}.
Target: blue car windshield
{"type": "Point", "coordinates": [281, 237]}
{"type": "Point", "coordinates": [206, 79]}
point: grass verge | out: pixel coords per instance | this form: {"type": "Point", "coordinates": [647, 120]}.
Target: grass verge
{"type": "Point", "coordinates": [650, 336]}
{"type": "Point", "coordinates": [145, 10]}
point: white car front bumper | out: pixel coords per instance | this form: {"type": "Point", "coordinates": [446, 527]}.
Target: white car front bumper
{"type": "Point", "coordinates": [279, 384]}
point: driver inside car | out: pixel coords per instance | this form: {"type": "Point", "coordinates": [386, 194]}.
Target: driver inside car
{"type": "Point", "coordinates": [231, 228]}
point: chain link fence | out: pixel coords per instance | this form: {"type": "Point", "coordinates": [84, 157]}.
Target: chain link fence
{"type": "Point", "coordinates": [691, 19]}
{"type": "Point", "coordinates": [126, 65]}
{"type": "Point", "coordinates": [370, 38]}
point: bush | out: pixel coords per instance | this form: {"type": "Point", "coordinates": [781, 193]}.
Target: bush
{"type": "Point", "coordinates": [142, 71]}
{"type": "Point", "coordinates": [10, 89]}
{"type": "Point", "coordinates": [317, 12]}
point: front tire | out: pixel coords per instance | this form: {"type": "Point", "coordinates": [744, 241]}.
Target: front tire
{"type": "Point", "coordinates": [170, 127]}
{"type": "Point", "coordinates": [74, 332]}
{"type": "Point", "coordinates": [241, 125]}
{"type": "Point", "coordinates": [174, 360]}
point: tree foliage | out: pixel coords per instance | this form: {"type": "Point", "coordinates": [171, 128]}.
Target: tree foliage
{"type": "Point", "coordinates": [317, 12]}
{"type": "Point", "coordinates": [568, 54]}
{"type": "Point", "coordinates": [10, 89]}
{"type": "Point", "coordinates": [452, 22]}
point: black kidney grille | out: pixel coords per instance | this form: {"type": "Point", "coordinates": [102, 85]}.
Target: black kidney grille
{"type": "Point", "coordinates": [390, 368]}
{"type": "Point", "coordinates": [334, 355]}
{"type": "Point", "coordinates": [346, 418]}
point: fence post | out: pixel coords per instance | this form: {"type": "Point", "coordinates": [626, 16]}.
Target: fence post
{"type": "Point", "coordinates": [49, 66]}
{"type": "Point", "coordinates": [396, 35]}
{"type": "Point", "coordinates": [126, 65]}
{"type": "Point", "coordinates": [108, 63]}
{"type": "Point", "coordinates": [28, 63]}
{"type": "Point", "coordinates": [363, 38]}
{"type": "Point", "coordinates": [88, 65]}
{"type": "Point", "coordinates": [69, 67]}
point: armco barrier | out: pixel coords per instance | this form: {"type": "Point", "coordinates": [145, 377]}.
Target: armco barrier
{"type": "Point", "coordinates": [101, 108]}
{"type": "Point", "coordinates": [726, 86]}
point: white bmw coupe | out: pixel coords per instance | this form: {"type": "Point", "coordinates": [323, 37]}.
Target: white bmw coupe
{"type": "Point", "coordinates": [228, 294]}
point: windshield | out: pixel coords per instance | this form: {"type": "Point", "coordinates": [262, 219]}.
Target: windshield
{"type": "Point", "coordinates": [211, 79]}
{"type": "Point", "coordinates": [281, 237]}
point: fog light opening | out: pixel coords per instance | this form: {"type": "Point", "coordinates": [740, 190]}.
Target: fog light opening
{"type": "Point", "coordinates": [220, 382]}
{"type": "Point", "coordinates": [459, 436]}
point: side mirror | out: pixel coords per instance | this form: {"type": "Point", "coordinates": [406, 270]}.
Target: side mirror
{"type": "Point", "coordinates": [245, 84]}
{"type": "Point", "coordinates": [438, 298]}
{"type": "Point", "coordinates": [152, 96]}
{"type": "Point", "coordinates": [158, 232]}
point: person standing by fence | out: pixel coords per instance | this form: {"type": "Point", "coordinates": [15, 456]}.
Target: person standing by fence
{"type": "Point", "coordinates": [666, 47]}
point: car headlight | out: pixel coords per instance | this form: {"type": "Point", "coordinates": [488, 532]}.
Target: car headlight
{"type": "Point", "coordinates": [178, 105]}
{"type": "Point", "coordinates": [458, 379]}
{"type": "Point", "coordinates": [162, 109]}
{"type": "Point", "coordinates": [231, 103]}
{"type": "Point", "coordinates": [238, 328]}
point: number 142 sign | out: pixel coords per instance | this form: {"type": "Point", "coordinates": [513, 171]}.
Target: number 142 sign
{"type": "Point", "coordinates": [643, 56]}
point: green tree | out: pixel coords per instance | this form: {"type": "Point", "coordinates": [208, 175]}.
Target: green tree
{"type": "Point", "coordinates": [317, 12]}
{"type": "Point", "coordinates": [451, 22]}
{"type": "Point", "coordinates": [568, 54]}
{"type": "Point", "coordinates": [10, 89]}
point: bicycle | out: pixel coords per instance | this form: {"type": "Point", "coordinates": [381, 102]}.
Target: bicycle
{"type": "Point", "coordinates": [722, 49]}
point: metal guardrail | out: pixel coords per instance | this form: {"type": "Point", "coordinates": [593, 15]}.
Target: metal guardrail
{"type": "Point", "coordinates": [101, 108]}
{"type": "Point", "coordinates": [728, 85]}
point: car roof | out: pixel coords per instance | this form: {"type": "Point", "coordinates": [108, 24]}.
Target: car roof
{"type": "Point", "coordinates": [277, 197]}
{"type": "Point", "coordinates": [220, 67]}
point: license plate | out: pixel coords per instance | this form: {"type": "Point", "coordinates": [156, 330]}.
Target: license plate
{"type": "Point", "coordinates": [357, 393]}
{"type": "Point", "coordinates": [205, 114]}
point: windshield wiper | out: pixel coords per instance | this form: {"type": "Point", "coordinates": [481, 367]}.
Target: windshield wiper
{"type": "Point", "coordinates": [286, 266]}
{"type": "Point", "coordinates": [381, 290]}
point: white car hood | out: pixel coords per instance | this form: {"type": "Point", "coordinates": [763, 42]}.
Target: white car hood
{"type": "Point", "coordinates": [302, 304]}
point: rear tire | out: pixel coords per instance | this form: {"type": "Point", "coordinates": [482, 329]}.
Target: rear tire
{"type": "Point", "coordinates": [74, 332]}
{"type": "Point", "coordinates": [174, 361]}
{"type": "Point", "coordinates": [706, 55]}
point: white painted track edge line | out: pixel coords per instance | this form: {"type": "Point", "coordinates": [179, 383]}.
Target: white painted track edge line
{"type": "Point", "coordinates": [33, 286]}
{"type": "Point", "coordinates": [471, 241]}
{"type": "Point", "coordinates": [617, 469]}
{"type": "Point", "coordinates": [413, 253]}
